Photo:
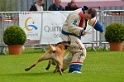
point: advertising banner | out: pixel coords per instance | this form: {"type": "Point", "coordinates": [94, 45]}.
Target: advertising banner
{"type": "Point", "coordinates": [30, 22]}
{"type": "Point", "coordinates": [52, 24]}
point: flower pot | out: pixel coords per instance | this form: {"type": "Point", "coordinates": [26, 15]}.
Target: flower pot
{"type": "Point", "coordinates": [115, 46]}
{"type": "Point", "coordinates": [15, 49]}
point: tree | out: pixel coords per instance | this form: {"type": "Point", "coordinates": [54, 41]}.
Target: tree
{"type": "Point", "coordinates": [7, 5]}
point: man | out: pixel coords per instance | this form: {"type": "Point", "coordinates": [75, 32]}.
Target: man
{"type": "Point", "coordinates": [71, 6]}
{"type": "Point", "coordinates": [56, 6]}
{"type": "Point", "coordinates": [37, 6]}
{"type": "Point", "coordinates": [72, 30]}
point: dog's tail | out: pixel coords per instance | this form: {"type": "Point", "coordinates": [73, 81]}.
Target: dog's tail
{"type": "Point", "coordinates": [52, 47]}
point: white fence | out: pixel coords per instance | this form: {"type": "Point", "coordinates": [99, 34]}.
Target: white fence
{"type": "Point", "coordinates": [45, 27]}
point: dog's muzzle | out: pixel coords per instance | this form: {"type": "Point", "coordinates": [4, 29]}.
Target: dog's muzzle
{"type": "Point", "coordinates": [69, 42]}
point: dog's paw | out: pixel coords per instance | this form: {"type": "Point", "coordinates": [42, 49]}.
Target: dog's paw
{"type": "Point", "coordinates": [47, 68]}
{"type": "Point", "coordinates": [27, 69]}
{"type": "Point", "coordinates": [61, 73]}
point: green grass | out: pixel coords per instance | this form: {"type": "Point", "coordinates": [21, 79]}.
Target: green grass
{"type": "Point", "coordinates": [100, 66]}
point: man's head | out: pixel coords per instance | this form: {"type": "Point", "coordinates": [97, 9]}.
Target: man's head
{"type": "Point", "coordinates": [90, 13]}
{"type": "Point", "coordinates": [73, 3]}
{"type": "Point", "coordinates": [40, 2]}
{"type": "Point", "coordinates": [57, 2]}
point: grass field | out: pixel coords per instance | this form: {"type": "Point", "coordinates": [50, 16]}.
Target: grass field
{"type": "Point", "coordinates": [100, 66]}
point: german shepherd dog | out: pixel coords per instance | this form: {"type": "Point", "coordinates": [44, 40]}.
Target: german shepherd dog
{"type": "Point", "coordinates": [55, 56]}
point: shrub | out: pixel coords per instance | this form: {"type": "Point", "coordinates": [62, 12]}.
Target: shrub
{"type": "Point", "coordinates": [14, 35]}
{"type": "Point", "coordinates": [114, 32]}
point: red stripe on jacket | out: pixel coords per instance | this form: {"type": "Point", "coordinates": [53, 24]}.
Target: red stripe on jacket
{"type": "Point", "coordinates": [81, 20]}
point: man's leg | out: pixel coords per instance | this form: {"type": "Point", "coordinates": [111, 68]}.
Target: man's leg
{"type": "Point", "coordinates": [67, 60]}
{"type": "Point", "coordinates": [78, 57]}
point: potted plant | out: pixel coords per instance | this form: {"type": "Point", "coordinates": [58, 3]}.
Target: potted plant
{"type": "Point", "coordinates": [115, 36]}
{"type": "Point", "coordinates": [14, 37]}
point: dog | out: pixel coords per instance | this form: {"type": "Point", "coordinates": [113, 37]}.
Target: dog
{"type": "Point", "coordinates": [55, 56]}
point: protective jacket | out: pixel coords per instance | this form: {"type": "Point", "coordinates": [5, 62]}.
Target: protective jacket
{"type": "Point", "coordinates": [72, 31]}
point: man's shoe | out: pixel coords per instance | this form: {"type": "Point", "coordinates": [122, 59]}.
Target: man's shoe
{"type": "Point", "coordinates": [76, 72]}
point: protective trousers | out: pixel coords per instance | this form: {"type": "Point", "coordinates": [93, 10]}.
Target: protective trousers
{"type": "Point", "coordinates": [76, 55]}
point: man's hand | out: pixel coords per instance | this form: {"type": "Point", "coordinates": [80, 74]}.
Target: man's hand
{"type": "Point", "coordinates": [85, 32]}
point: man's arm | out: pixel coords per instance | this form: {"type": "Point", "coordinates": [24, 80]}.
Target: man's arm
{"type": "Point", "coordinates": [96, 24]}
{"type": "Point", "coordinates": [73, 22]}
